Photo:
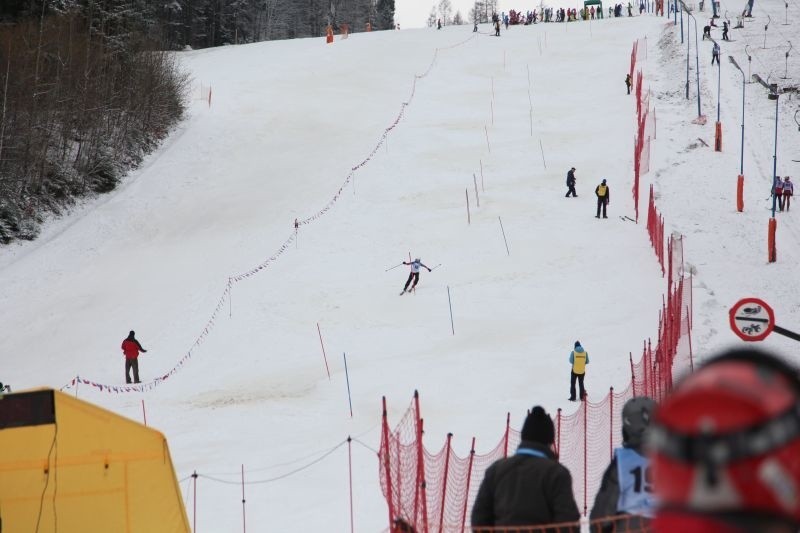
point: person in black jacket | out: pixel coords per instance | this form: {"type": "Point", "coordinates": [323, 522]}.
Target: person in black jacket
{"type": "Point", "coordinates": [603, 198]}
{"type": "Point", "coordinates": [627, 487]}
{"type": "Point", "coordinates": [529, 488]}
{"type": "Point", "coordinates": [571, 183]}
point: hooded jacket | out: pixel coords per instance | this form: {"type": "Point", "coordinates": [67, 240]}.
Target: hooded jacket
{"type": "Point", "coordinates": [579, 364]}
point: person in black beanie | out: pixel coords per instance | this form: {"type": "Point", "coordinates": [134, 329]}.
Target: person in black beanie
{"type": "Point", "coordinates": [529, 488]}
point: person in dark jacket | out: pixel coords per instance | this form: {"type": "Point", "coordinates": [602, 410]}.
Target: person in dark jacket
{"type": "Point", "coordinates": [628, 82]}
{"type": "Point", "coordinates": [627, 488]}
{"type": "Point", "coordinates": [131, 349]}
{"type": "Point", "coordinates": [529, 488]}
{"type": "Point", "coordinates": [571, 183]}
{"type": "Point", "coordinates": [603, 198]}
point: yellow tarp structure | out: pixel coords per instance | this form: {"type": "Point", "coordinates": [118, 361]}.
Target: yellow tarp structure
{"type": "Point", "coordinates": [68, 466]}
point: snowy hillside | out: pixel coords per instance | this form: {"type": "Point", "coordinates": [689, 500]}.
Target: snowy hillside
{"type": "Point", "coordinates": [287, 123]}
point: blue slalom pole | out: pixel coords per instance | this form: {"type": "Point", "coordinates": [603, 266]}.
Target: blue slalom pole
{"type": "Point", "coordinates": [451, 310]}
{"type": "Point", "coordinates": [347, 376]}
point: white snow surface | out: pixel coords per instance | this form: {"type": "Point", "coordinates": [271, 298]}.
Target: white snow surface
{"type": "Point", "coordinates": [287, 122]}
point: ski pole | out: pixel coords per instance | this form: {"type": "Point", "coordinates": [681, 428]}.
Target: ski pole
{"type": "Point", "coordinates": [437, 266]}
{"type": "Point", "coordinates": [392, 268]}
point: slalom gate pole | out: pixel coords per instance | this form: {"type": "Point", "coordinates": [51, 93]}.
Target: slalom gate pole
{"type": "Point", "coordinates": [505, 437]}
{"type": "Point", "coordinates": [504, 234]}
{"type": "Point", "coordinates": [350, 471]}
{"type": "Point", "coordinates": [230, 298]}
{"type": "Point", "coordinates": [347, 377]}
{"type": "Point", "coordinates": [324, 357]}
{"type": "Point", "coordinates": [144, 414]}
{"type": "Point", "coordinates": [477, 198]}
{"type": "Point", "coordinates": [482, 187]}
{"type": "Point", "coordinates": [486, 131]}
{"type": "Point", "coordinates": [466, 192]}
{"type": "Point", "coordinates": [541, 148]}
{"type": "Point", "coordinates": [450, 303]}
{"type": "Point", "coordinates": [491, 104]}
{"type": "Point", "coordinates": [244, 521]}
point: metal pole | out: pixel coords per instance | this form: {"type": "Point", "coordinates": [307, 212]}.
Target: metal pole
{"type": "Point", "coordinates": [697, 61]}
{"type": "Point", "coordinates": [741, 152]}
{"type": "Point", "coordinates": [688, 44]}
{"type": "Point", "coordinates": [775, 157]}
{"type": "Point", "coordinates": [719, 81]}
{"type": "Point", "coordinates": [681, 23]}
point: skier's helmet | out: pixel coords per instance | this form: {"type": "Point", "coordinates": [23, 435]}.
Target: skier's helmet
{"type": "Point", "coordinates": [636, 416]}
{"type": "Point", "coordinates": [728, 439]}
{"type": "Point", "coordinates": [418, 260]}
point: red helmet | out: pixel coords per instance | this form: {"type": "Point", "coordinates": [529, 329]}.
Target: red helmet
{"type": "Point", "coordinates": [727, 441]}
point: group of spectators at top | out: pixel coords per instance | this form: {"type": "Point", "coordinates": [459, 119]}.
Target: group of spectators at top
{"type": "Point", "coordinates": [513, 17]}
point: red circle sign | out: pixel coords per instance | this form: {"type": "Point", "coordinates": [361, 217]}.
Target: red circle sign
{"type": "Point", "coordinates": [752, 319]}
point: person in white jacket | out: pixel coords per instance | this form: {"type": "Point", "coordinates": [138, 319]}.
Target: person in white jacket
{"type": "Point", "coordinates": [416, 264]}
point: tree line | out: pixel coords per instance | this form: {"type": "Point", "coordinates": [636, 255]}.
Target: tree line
{"type": "Point", "coordinates": [89, 87]}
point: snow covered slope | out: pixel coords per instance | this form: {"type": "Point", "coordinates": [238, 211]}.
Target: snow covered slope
{"type": "Point", "coordinates": [287, 122]}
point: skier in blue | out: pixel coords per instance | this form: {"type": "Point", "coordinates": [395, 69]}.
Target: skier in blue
{"type": "Point", "coordinates": [416, 264]}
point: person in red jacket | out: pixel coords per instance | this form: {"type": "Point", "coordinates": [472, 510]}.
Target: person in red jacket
{"type": "Point", "coordinates": [131, 349]}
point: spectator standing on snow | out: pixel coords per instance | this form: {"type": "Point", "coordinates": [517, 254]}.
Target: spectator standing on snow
{"type": "Point", "coordinates": [788, 191]}
{"type": "Point", "coordinates": [529, 488]}
{"type": "Point", "coordinates": [707, 31]}
{"type": "Point", "coordinates": [628, 82]}
{"type": "Point", "coordinates": [626, 488]}
{"type": "Point", "coordinates": [497, 28]}
{"type": "Point", "coordinates": [603, 193]}
{"type": "Point", "coordinates": [778, 192]}
{"type": "Point", "coordinates": [416, 265]}
{"type": "Point", "coordinates": [131, 349]}
{"type": "Point", "coordinates": [715, 54]}
{"type": "Point", "coordinates": [578, 358]}
{"type": "Point", "coordinates": [439, 24]}
{"type": "Point", "coordinates": [725, 31]}
{"type": "Point", "coordinates": [571, 183]}
{"type": "Point", "coordinates": [724, 447]}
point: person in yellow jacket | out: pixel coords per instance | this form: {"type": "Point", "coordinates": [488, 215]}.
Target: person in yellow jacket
{"type": "Point", "coordinates": [578, 358]}
{"type": "Point", "coordinates": [603, 193]}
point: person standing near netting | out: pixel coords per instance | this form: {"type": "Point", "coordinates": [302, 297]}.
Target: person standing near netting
{"type": "Point", "coordinates": [627, 488]}
{"type": "Point", "coordinates": [131, 349]}
{"type": "Point", "coordinates": [571, 183]}
{"type": "Point", "coordinates": [578, 358]}
{"type": "Point", "coordinates": [529, 488]}
{"type": "Point", "coordinates": [603, 193]}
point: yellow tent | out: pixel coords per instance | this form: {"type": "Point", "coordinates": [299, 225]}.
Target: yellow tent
{"type": "Point", "coordinates": [72, 467]}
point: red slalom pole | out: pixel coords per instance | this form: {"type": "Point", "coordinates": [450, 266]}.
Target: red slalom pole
{"type": "Point", "coordinates": [144, 413]}
{"type": "Point", "coordinates": [350, 469]}
{"type": "Point", "coordinates": [244, 522]}
{"type": "Point", "coordinates": [325, 357]}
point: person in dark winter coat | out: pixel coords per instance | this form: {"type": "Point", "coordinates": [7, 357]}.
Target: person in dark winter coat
{"type": "Point", "coordinates": [416, 264]}
{"type": "Point", "coordinates": [627, 488]}
{"type": "Point", "coordinates": [131, 349]}
{"type": "Point", "coordinates": [578, 358]}
{"type": "Point", "coordinates": [628, 82]}
{"type": "Point", "coordinates": [529, 488]}
{"type": "Point", "coordinates": [571, 183]}
{"type": "Point", "coordinates": [603, 198]}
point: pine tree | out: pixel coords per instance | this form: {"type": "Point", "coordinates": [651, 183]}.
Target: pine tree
{"type": "Point", "coordinates": [385, 10]}
{"type": "Point", "coordinates": [458, 20]}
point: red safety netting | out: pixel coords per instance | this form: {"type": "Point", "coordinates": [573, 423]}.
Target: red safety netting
{"type": "Point", "coordinates": [435, 491]}
{"type": "Point", "coordinates": [645, 131]}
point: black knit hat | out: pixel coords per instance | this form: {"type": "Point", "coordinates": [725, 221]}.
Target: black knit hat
{"type": "Point", "coordinates": [538, 427]}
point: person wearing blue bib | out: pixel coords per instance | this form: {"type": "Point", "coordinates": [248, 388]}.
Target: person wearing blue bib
{"type": "Point", "coordinates": [529, 488]}
{"type": "Point", "coordinates": [627, 487]}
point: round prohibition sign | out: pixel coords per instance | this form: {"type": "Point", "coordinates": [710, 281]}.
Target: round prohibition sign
{"type": "Point", "coordinates": [752, 319]}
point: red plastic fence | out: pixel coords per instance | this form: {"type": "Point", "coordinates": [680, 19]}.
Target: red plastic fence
{"type": "Point", "coordinates": [645, 130]}
{"type": "Point", "coordinates": [434, 491]}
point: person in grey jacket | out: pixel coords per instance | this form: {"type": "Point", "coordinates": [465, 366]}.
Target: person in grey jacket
{"type": "Point", "coordinates": [529, 488]}
{"type": "Point", "coordinates": [627, 488]}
